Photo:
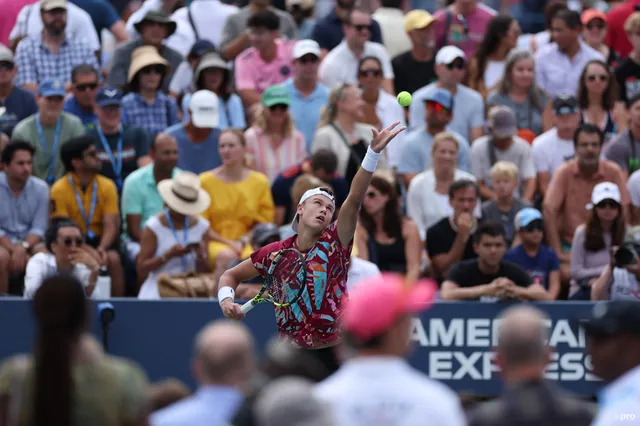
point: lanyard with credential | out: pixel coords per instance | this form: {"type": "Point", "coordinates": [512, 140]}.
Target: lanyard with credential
{"type": "Point", "coordinates": [116, 161]}
{"type": "Point", "coordinates": [175, 235]}
{"type": "Point", "coordinates": [92, 208]}
{"type": "Point", "coordinates": [54, 148]}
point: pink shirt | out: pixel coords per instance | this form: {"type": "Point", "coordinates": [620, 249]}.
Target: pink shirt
{"type": "Point", "coordinates": [271, 160]}
{"type": "Point", "coordinates": [252, 72]}
{"type": "Point", "coordinates": [476, 28]}
{"type": "Point", "coordinates": [10, 10]}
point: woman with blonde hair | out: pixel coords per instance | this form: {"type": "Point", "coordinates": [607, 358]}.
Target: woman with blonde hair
{"type": "Point", "coordinates": [428, 193]}
{"type": "Point", "coordinates": [241, 199]}
{"type": "Point", "coordinates": [340, 130]}
{"type": "Point", "coordinates": [273, 142]}
{"type": "Point", "coordinates": [518, 90]}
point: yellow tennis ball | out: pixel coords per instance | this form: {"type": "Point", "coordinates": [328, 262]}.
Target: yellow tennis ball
{"type": "Point", "coordinates": [404, 98]}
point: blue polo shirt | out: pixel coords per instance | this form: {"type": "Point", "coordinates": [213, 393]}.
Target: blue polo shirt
{"type": "Point", "coordinates": [19, 105]}
{"type": "Point", "coordinates": [306, 110]}
{"type": "Point", "coordinates": [72, 106]}
{"type": "Point", "coordinates": [140, 196]}
{"type": "Point", "coordinates": [196, 157]}
{"type": "Point", "coordinates": [328, 31]}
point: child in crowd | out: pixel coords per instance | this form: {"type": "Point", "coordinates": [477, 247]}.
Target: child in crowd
{"type": "Point", "coordinates": [540, 262]}
{"type": "Point", "coordinates": [503, 209]}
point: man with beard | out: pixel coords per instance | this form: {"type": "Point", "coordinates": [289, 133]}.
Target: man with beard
{"type": "Point", "coordinates": [51, 54]}
{"type": "Point", "coordinates": [569, 193]}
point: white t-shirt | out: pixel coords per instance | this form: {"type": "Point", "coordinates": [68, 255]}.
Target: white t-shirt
{"type": "Point", "coordinates": [341, 65]}
{"type": "Point", "coordinates": [182, 80]}
{"type": "Point", "coordinates": [79, 24]}
{"type": "Point", "coordinates": [620, 398]}
{"type": "Point", "coordinates": [360, 269]}
{"type": "Point", "coordinates": [633, 185]}
{"type": "Point", "coordinates": [550, 152]}
{"type": "Point", "coordinates": [387, 391]}
{"type": "Point", "coordinates": [493, 73]}
{"type": "Point", "coordinates": [624, 286]}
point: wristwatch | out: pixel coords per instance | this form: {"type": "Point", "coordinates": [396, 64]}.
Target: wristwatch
{"type": "Point", "coordinates": [25, 245]}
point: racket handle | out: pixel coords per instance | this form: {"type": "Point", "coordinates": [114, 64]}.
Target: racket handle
{"type": "Point", "coordinates": [247, 307]}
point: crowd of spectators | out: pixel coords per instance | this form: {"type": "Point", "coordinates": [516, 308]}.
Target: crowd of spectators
{"type": "Point", "coordinates": [518, 178]}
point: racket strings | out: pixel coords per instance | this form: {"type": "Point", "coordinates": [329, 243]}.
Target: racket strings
{"type": "Point", "coordinates": [287, 280]}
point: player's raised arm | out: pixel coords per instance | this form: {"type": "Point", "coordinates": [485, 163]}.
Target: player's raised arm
{"type": "Point", "coordinates": [227, 285]}
{"type": "Point", "coordinates": [348, 216]}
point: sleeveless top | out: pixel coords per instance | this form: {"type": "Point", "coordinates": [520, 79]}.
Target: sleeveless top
{"type": "Point", "coordinates": [166, 240]}
{"type": "Point", "coordinates": [389, 257]}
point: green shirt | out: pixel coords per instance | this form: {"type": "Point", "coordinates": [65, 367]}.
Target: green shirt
{"type": "Point", "coordinates": [26, 130]}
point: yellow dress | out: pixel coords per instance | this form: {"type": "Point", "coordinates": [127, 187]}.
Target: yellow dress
{"type": "Point", "coordinates": [236, 208]}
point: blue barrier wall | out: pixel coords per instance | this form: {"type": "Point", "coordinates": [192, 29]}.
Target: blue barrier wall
{"type": "Point", "coordinates": [453, 341]}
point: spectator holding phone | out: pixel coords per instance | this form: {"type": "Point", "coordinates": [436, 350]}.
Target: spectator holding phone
{"type": "Point", "coordinates": [173, 241]}
{"type": "Point", "coordinates": [619, 280]}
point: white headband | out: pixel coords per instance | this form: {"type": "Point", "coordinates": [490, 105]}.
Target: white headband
{"type": "Point", "coordinates": [308, 194]}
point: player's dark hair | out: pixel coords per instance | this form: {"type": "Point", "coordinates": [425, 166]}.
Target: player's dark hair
{"type": "Point", "coordinates": [328, 190]}
{"type": "Point", "coordinates": [83, 69]}
{"type": "Point", "coordinates": [632, 100]}
{"type": "Point", "coordinates": [324, 159]}
{"type": "Point", "coordinates": [14, 146]}
{"type": "Point", "coordinates": [462, 184]}
{"type": "Point", "coordinates": [489, 228]}
{"type": "Point", "coordinates": [61, 312]}
{"type": "Point", "coordinates": [570, 17]}
{"type": "Point", "coordinates": [392, 222]}
{"type": "Point", "coordinates": [587, 128]}
{"type": "Point", "coordinates": [265, 19]}
{"type": "Point", "coordinates": [74, 149]}
{"type": "Point", "coordinates": [54, 228]}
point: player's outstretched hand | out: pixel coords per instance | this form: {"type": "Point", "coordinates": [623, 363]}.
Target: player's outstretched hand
{"type": "Point", "coordinates": [381, 139]}
{"type": "Point", "coordinates": [231, 310]}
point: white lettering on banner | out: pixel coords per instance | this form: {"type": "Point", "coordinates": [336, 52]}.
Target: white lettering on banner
{"type": "Point", "coordinates": [450, 358]}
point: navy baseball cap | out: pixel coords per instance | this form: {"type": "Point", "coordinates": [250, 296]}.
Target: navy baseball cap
{"type": "Point", "coordinates": [565, 105]}
{"type": "Point", "coordinates": [441, 96]}
{"type": "Point", "coordinates": [51, 87]}
{"type": "Point", "coordinates": [109, 95]}
{"type": "Point", "coordinates": [614, 317]}
{"type": "Point", "coordinates": [200, 47]}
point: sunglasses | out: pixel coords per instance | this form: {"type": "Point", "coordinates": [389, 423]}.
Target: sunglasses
{"type": "Point", "coordinates": [534, 226]}
{"type": "Point", "coordinates": [598, 25]}
{"type": "Point", "coordinates": [309, 59]}
{"type": "Point", "coordinates": [69, 242]}
{"type": "Point", "coordinates": [435, 107]}
{"type": "Point", "coordinates": [371, 195]}
{"type": "Point", "coordinates": [158, 69]}
{"type": "Point", "coordinates": [370, 73]}
{"type": "Point", "coordinates": [360, 27]}
{"type": "Point", "coordinates": [86, 86]}
{"type": "Point", "coordinates": [607, 204]}
{"type": "Point", "coordinates": [456, 64]}
{"type": "Point", "coordinates": [594, 77]}
{"type": "Point", "coordinates": [6, 65]}
{"type": "Point", "coordinates": [278, 107]}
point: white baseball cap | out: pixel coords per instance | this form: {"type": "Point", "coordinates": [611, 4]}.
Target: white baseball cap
{"type": "Point", "coordinates": [448, 54]}
{"type": "Point", "coordinates": [204, 109]}
{"type": "Point", "coordinates": [604, 191]}
{"type": "Point", "coordinates": [310, 193]}
{"type": "Point", "coordinates": [306, 47]}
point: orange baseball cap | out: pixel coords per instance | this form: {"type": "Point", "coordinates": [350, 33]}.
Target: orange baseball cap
{"type": "Point", "coordinates": [591, 14]}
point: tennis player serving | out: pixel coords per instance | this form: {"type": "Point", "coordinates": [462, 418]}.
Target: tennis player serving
{"type": "Point", "coordinates": [306, 275]}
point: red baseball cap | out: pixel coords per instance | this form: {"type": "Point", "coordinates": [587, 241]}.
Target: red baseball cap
{"type": "Point", "coordinates": [591, 14]}
{"type": "Point", "coordinates": [376, 303]}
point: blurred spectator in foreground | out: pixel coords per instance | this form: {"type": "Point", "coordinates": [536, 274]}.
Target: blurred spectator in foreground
{"type": "Point", "coordinates": [629, 68]}
{"type": "Point", "coordinates": [165, 393]}
{"type": "Point", "coordinates": [48, 130]}
{"type": "Point", "coordinates": [154, 28]}
{"type": "Point", "coordinates": [522, 355]}
{"type": "Point", "coordinates": [540, 262]}
{"type": "Point", "coordinates": [450, 239]}
{"type": "Point", "coordinates": [613, 341]}
{"type": "Point", "coordinates": [620, 279]}
{"type": "Point", "coordinates": [503, 208]}
{"type": "Point", "coordinates": [428, 195]}
{"type": "Point", "coordinates": [16, 103]}
{"type": "Point", "coordinates": [84, 85]}
{"type": "Point", "coordinates": [413, 69]}
{"type": "Point", "coordinates": [290, 401]}
{"type": "Point", "coordinates": [503, 144]}
{"type": "Point", "coordinates": [377, 382]}
{"type": "Point", "coordinates": [604, 228]}
{"type": "Point", "coordinates": [174, 242]}
{"type": "Point", "coordinates": [571, 188]}
{"type": "Point", "coordinates": [385, 236]}
{"type": "Point", "coordinates": [223, 364]}
{"type": "Point", "coordinates": [24, 211]}
{"type": "Point", "coordinates": [489, 278]}
{"type": "Point", "coordinates": [68, 379]}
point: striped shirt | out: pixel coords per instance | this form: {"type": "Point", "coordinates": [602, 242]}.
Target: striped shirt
{"type": "Point", "coordinates": [272, 160]}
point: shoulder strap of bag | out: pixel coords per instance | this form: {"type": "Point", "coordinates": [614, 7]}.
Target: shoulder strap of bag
{"type": "Point", "coordinates": [193, 24]}
{"type": "Point", "coordinates": [632, 140]}
{"type": "Point", "coordinates": [347, 144]}
{"type": "Point", "coordinates": [448, 17]}
{"type": "Point", "coordinates": [493, 159]}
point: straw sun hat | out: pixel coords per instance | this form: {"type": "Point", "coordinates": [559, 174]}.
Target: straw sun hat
{"type": "Point", "coordinates": [145, 56]}
{"type": "Point", "coordinates": [184, 195]}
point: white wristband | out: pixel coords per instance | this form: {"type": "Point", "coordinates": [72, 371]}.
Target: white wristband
{"type": "Point", "coordinates": [370, 161]}
{"type": "Point", "coordinates": [226, 292]}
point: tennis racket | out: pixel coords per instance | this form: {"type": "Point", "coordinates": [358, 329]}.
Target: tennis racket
{"type": "Point", "coordinates": [285, 282]}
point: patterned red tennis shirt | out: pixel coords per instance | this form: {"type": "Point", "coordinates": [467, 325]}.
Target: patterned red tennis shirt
{"type": "Point", "coordinates": [312, 321]}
